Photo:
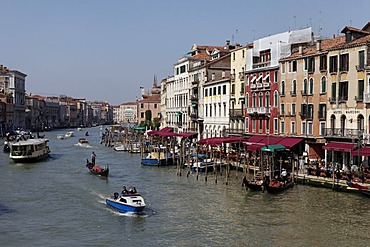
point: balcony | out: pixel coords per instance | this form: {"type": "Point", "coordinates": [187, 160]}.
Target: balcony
{"type": "Point", "coordinates": [258, 110]}
{"type": "Point", "coordinates": [241, 76]}
{"type": "Point", "coordinates": [304, 92]}
{"type": "Point", "coordinates": [253, 86]}
{"type": "Point", "coordinates": [366, 97]}
{"type": "Point", "coordinates": [236, 113]}
{"type": "Point", "coordinates": [332, 100]}
{"type": "Point", "coordinates": [359, 98]}
{"type": "Point", "coordinates": [342, 99]}
{"type": "Point", "coordinates": [293, 93]}
{"type": "Point", "coordinates": [306, 116]}
{"type": "Point", "coordinates": [339, 132]}
{"type": "Point", "coordinates": [259, 85]}
{"type": "Point", "coordinates": [360, 67]}
{"type": "Point", "coordinates": [261, 64]}
{"type": "Point", "coordinates": [266, 84]}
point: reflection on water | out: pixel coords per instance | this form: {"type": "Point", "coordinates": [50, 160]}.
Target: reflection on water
{"type": "Point", "coordinates": [58, 202]}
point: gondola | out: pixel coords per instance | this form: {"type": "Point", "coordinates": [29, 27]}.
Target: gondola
{"type": "Point", "coordinates": [277, 186]}
{"type": "Point", "coordinates": [357, 186]}
{"type": "Point", "coordinates": [97, 170]}
{"type": "Point", "coordinates": [254, 184]}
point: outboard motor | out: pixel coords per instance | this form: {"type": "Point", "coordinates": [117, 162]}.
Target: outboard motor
{"type": "Point", "coordinates": [115, 195]}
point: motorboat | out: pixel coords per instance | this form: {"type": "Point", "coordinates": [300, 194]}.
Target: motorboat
{"type": "Point", "coordinates": [134, 147]}
{"type": "Point", "coordinates": [83, 142]}
{"type": "Point", "coordinates": [60, 136]}
{"type": "Point", "coordinates": [69, 134]}
{"type": "Point", "coordinates": [158, 157]}
{"type": "Point", "coordinates": [127, 202]}
{"type": "Point", "coordinates": [29, 150]}
{"type": "Point", "coordinates": [120, 147]}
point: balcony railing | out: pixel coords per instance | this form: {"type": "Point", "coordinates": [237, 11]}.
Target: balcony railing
{"type": "Point", "coordinates": [259, 85]}
{"type": "Point", "coordinates": [258, 110]}
{"type": "Point", "coordinates": [252, 86]}
{"type": "Point", "coordinates": [304, 92]}
{"type": "Point", "coordinates": [342, 99]}
{"type": "Point", "coordinates": [340, 132]}
{"type": "Point", "coordinates": [261, 64]}
{"type": "Point", "coordinates": [293, 93]}
{"type": "Point", "coordinates": [236, 112]}
{"type": "Point", "coordinates": [266, 84]}
{"type": "Point", "coordinates": [332, 100]}
{"type": "Point", "coordinates": [359, 98]}
{"type": "Point", "coordinates": [366, 97]}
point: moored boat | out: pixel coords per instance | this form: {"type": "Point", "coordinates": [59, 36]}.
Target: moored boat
{"type": "Point", "coordinates": [277, 186]}
{"type": "Point", "coordinates": [158, 157]}
{"type": "Point", "coordinates": [29, 150]}
{"type": "Point", "coordinates": [97, 170]}
{"type": "Point", "coordinates": [127, 202]}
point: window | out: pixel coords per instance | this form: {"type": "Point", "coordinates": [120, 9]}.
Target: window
{"type": "Point", "coordinates": [206, 109]}
{"type": "Point", "coordinates": [323, 85]}
{"type": "Point", "coordinates": [310, 128]}
{"type": "Point", "coordinates": [205, 92]}
{"type": "Point", "coordinates": [361, 60]}
{"type": "Point", "coordinates": [344, 63]}
{"type": "Point", "coordinates": [343, 91]}
{"type": "Point", "coordinates": [260, 125]}
{"type": "Point", "coordinates": [214, 91]}
{"type": "Point", "coordinates": [276, 126]}
{"type": "Point", "coordinates": [268, 125]}
{"type": "Point", "coordinates": [213, 76]}
{"type": "Point", "coordinates": [241, 88]}
{"type": "Point", "coordinates": [219, 90]}
{"type": "Point", "coordinates": [360, 94]}
{"type": "Point", "coordinates": [142, 114]}
{"type": "Point", "coordinates": [311, 64]}
{"type": "Point", "coordinates": [292, 128]}
{"type": "Point", "coordinates": [219, 110]}
{"type": "Point", "coordinates": [322, 111]}
{"type": "Point", "coordinates": [182, 69]}
{"type": "Point", "coordinates": [323, 63]}
{"type": "Point", "coordinates": [311, 86]}
{"type": "Point", "coordinates": [282, 88]}
{"type": "Point", "coordinates": [333, 91]}
{"type": "Point", "coordinates": [233, 56]}
{"type": "Point", "coordinates": [294, 68]}
{"type": "Point", "coordinates": [267, 99]}
{"type": "Point", "coordinates": [232, 88]}
{"type": "Point", "coordinates": [294, 109]}
{"type": "Point", "coordinates": [254, 125]}
{"type": "Point", "coordinates": [254, 100]}
{"type": "Point", "coordinates": [282, 127]}
{"type": "Point", "coordinates": [322, 128]}
{"type": "Point", "coordinates": [155, 106]}
{"type": "Point", "coordinates": [260, 100]}
{"type": "Point", "coordinates": [333, 64]}
{"type": "Point", "coordinates": [210, 110]}
{"type": "Point", "coordinates": [224, 109]}
{"type": "Point", "coordinates": [282, 68]}
{"type": "Point", "coordinates": [304, 91]}
{"type": "Point", "coordinates": [294, 87]}
{"type": "Point", "coordinates": [282, 109]}
{"type": "Point", "coordinates": [276, 99]}
{"type": "Point", "coordinates": [142, 105]}
{"type": "Point", "coordinates": [247, 100]}
{"type": "Point", "coordinates": [276, 76]}
{"type": "Point", "coordinates": [224, 89]}
{"type": "Point", "coordinates": [247, 125]}
{"type": "Point", "coordinates": [303, 129]}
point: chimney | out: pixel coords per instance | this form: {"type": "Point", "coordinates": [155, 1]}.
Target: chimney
{"type": "Point", "coordinates": [300, 49]}
{"type": "Point", "coordinates": [318, 45]}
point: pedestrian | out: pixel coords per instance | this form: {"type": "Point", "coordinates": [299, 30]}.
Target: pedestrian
{"type": "Point", "coordinates": [93, 156]}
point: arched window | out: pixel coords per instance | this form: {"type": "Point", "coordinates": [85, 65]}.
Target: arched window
{"type": "Point", "coordinates": [311, 86]}
{"type": "Point", "coordinates": [254, 100]}
{"type": "Point", "coordinates": [276, 99]}
{"type": "Point", "coordinates": [247, 100]}
{"type": "Point", "coordinates": [260, 103]}
{"type": "Point", "coordinates": [294, 87]}
{"type": "Point", "coordinates": [305, 87]}
{"type": "Point", "coordinates": [267, 101]}
{"type": "Point", "coordinates": [323, 85]}
{"type": "Point", "coordinates": [282, 88]}
{"type": "Point", "coordinates": [332, 124]}
{"type": "Point", "coordinates": [360, 123]}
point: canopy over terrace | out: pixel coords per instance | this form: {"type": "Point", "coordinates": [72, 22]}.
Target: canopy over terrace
{"type": "Point", "coordinates": [340, 146]}
{"type": "Point", "coordinates": [218, 141]}
{"type": "Point", "coordinates": [365, 151]}
{"type": "Point", "coordinates": [164, 130]}
{"type": "Point", "coordinates": [255, 143]}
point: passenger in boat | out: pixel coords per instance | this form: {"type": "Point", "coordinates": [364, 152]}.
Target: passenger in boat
{"type": "Point", "coordinates": [93, 156]}
{"type": "Point", "coordinates": [115, 195]}
{"type": "Point", "coordinates": [132, 190]}
{"type": "Point", "coordinates": [267, 176]}
{"type": "Point", "coordinates": [124, 190]}
{"type": "Point", "coordinates": [284, 175]}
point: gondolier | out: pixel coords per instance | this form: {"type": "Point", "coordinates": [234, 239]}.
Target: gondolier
{"type": "Point", "coordinates": [93, 156]}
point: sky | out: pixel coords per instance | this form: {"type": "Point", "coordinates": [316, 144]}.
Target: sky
{"type": "Point", "coordinates": [107, 50]}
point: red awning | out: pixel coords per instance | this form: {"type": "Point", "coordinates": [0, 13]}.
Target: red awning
{"type": "Point", "coordinates": [255, 147]}
{"type": "Point", "coordinates": [365, 151]}
{"type": "Point", "coordinates": [152, 132]}
{"type": "Point", "coordinates": [340, 146]}
{"type": "Point", "coordinates": [166, 134]}
{"type": "Point", "coordinates": [187, 134]}
{"type": "Point", "coordinates": [231, 139]}
{"type": "Point", "coordinates": [255, 139]}
{"type": "Point", "coordinates": [270, 140]}
{"type": "Point", "coordinates": [290, 142]}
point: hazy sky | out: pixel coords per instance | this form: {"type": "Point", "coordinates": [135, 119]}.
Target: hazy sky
{"type": "Point", "coordinates": [106, 50]}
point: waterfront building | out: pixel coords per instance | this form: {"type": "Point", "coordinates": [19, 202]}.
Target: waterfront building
{"type": "Point", "coordinates": [348, 117]}
{"type": "Point", "coordinates": [163, 107]}
{"type": "Point", "coordinates": [237, 90]}
{"type": "Point", "coordinates": [7, 101]}
{"type": "Point", "coordinates": [117, 116]}
{"type": "Point", "coordinates": [303, 94]}
{"type": "Point", "coordinates": [262, 81]}
{"type": "Point", "coordinates": [148, 107]}
{"type": "Point", "coordinates": [128, 111]}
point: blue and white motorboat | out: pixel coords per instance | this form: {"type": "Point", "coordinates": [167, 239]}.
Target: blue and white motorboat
{"type": "Point", "coordinates": [133, 203]}
{"type": "Point", "coordinates": [158, 157]}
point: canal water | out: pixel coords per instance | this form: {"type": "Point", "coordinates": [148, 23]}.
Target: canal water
{"type": "Point", "coordinates": [57, 202]}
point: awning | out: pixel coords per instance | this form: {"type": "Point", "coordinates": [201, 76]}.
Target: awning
{"type": "Point", "coordinates": [254, 139]}
{"type": "Point", "coordinates": [271, 140]}
{"type": "Point", "coordinates": [365, 151]}
{"type": "Point", "coordinates": [273, 148]}
{"type": "Point", "coordinates": [290, 142]}
{"type": "Point", "coordinates": [340, 146]}
{"type": "Point", "coordinates": [187, 134]}
{"type": "Point", "coordinates": [255, 147]}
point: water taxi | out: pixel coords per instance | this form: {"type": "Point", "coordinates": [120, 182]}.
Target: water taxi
{"type": "Point", "coordinates": [29, 150]}
{"type": "Point", "coordinates": [82, 142]}
{"type": "Point", "coordinates": [70, 134]}
{"type": "Point", "coordinates": [133, 203]}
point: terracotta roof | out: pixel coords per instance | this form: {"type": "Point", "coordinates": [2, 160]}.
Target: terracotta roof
{"type": "Point", "coordinates": [355, 42]}
{"type": "Point", "coordinates": [366, 26]}
{"type": "Point", "coordinates": [128, 103]}
{"type": "Point", "coordinates": [151, 99]}
{"type": "Point", "coordinates": [353, 29]}
{"type": "Point", "coordinates": [200, 56]}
